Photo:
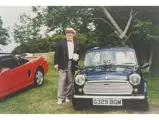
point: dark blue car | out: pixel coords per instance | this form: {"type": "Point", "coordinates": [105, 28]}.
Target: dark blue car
{"type": "Point", "coordinates": [110, 77]}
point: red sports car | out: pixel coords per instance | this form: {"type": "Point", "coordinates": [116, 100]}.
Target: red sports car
{"type": "Point", "coordinates": [17, 72]}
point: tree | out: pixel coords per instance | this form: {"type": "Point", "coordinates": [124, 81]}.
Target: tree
{"type": "Point", "coordinates": [4, 36]}
{"type": "Point", "coordinates": [46, 44]}
{"type": "Point", "coordinates": [28, 29]}
{"type": "Point", "coordinates": [122, 34]}
{"type": "Point", "coordinates": [58, 18]}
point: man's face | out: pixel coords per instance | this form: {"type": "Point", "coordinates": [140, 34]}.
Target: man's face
{"type": "Point", "coordinates": [69, 36]}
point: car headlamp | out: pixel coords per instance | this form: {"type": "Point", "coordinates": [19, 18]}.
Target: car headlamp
{"type": "Point", "coordinates": [80, 79]}
{"type": "Point", "coordinates": [135, 79]}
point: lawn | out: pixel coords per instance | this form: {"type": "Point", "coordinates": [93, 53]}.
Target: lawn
{"type": "Point", "coordinates": [153, 91]}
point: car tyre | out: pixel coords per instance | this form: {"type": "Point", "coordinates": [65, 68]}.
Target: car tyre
{"type": "Point", "coordinates": [144, 105]}
{"type": "Point", "coordinates": [39, 77]}
{"type": "Point", "coordinates": [77, 104]}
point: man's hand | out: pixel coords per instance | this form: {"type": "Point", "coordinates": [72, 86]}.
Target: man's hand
{"type": "Point", "coordinates": [56, 67]}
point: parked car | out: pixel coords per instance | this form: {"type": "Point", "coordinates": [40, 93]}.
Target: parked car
{"type": "Point", "coordinates": [17, 73]}
{"type": "Point", "coordinates": [110, 77]}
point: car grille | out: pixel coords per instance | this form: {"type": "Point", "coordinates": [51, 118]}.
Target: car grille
{"type": "Point", "coordinates": [108, 87]}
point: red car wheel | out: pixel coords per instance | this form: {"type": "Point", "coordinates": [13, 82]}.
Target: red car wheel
{"type": "Point", "coordinates": [39, 77]}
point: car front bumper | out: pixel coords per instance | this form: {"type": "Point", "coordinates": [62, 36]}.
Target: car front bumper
{"type": "Point", "coordinates": [110, 97]}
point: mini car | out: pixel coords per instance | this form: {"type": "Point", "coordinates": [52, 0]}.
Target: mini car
{"type": "Point", "coordinates": [110, 77]}
{"type": "Point", "coordinates": [18, 72]}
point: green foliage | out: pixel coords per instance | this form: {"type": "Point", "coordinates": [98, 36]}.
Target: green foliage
{"type": "Point", "coordinates": [45, 44]}
{"type": "Point", "coordinates": [63, 16]}
{"type": "Point", "coordinates": [28, 29]}
{"type": "Point", "coordinates": [82, 37]}
{"type": "Point", "coordinates": [146, 30]}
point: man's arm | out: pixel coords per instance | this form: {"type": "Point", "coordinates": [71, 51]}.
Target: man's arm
{"type": "Point", "coordinates": [56, 55]}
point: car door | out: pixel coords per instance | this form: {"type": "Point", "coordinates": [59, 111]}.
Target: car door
{"type": "Point", "coordinates": [15, 77]}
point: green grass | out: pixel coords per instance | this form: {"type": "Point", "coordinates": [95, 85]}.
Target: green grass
{"type": "Point", "coordinates": [43, 100]}
{"type": "Point", "coordinates": [153, 91]}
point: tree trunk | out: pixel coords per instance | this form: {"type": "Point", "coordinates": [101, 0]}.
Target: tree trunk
{"type": "Point", "coordinates": [122, 34]}
{"type": "Point", "coordinates": [123, 43]}
{"type": "Point", "coordinates": [111, 19]}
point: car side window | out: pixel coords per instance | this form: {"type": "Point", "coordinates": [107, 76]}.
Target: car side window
{"type": "Point", "coordinates": [9, 62]}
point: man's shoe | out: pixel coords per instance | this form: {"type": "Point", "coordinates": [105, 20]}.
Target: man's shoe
{"type": "Point", "coordinates": [67, 100]}
{"type": "Point", "coordinates": [59, 102]}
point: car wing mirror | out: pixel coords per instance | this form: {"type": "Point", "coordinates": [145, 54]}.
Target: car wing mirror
{"type": "Point", "coordinates": [4, 71]}
{"type": "Point", "coordinates": [144, 66]}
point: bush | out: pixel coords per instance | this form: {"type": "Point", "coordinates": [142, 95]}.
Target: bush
{"type": "Point", "coordinates": [47, 44]}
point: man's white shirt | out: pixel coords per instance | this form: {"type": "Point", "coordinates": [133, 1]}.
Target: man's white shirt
{"type": "Point", "coordinates": [70, 49]}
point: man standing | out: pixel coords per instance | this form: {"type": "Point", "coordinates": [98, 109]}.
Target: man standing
{"type": "Point", "coordinates": [65, 58]}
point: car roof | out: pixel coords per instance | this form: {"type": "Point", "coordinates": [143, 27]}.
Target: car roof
{"type": "Point", "coordinates": [111, 49]}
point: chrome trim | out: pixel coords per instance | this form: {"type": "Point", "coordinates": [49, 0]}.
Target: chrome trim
{"type": "Point", "coordinates": [108, 93]}
{"type": "Point", "coordinates": [109, 97]}
{"type": "Point", "coordinates": [108, 81]}
{"type": "Point", "coordinates": [145, 87]}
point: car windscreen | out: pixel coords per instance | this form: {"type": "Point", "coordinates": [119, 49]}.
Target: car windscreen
{"type": "Point", "coordinates": [121, 57]}
{"type": "Point", "coordinates": [8, 62]}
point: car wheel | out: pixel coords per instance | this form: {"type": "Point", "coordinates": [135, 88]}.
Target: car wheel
{"type": "Point", "coordinates": [77, 104]}
{"type": "Point", "coordinates": [39, 77]}
{"type": "Point", "coordinates": [144, 105]}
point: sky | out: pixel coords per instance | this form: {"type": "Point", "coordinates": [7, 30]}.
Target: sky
{"type": "Point", "coordinates": [10, 17]}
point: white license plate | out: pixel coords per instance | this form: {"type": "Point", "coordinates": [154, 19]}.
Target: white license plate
{"type": "Point", "coordinates": [107, 102]}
